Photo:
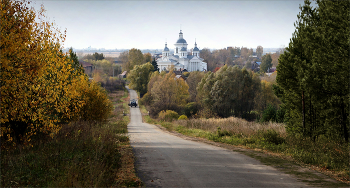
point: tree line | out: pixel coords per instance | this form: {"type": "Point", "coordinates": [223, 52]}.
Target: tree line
{"type": "Point", "coordinates": [239, 56]}
{"type": "Point", "coordinates": [313, 73]}
{"type": "Point", "coordinates": [134, 57]}
{"type": "Point", "coordinates": [231, 91]}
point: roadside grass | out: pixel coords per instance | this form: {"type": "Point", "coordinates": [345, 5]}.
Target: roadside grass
{"type": "Point", "coordinates": [143, 110]}
{"type": "Point", "coordinates": [125, 107]}
{"type": "Point", "coordinates": [323, 155]}
{"type": "Point", "coordinates": [83, 154]}
{"type": "Point", "coordinates": [289, 167]}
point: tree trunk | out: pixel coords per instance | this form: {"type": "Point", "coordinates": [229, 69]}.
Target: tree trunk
{"type": "Point", "coordinates": [346, 133]}
{"type": "Point", "coordinates": [303, 106]}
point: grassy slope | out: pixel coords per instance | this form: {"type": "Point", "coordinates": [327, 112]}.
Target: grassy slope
{"type": "Point", "coordinates": [82, 155]}
{"type": "Point", "coordinates": [284, 152]}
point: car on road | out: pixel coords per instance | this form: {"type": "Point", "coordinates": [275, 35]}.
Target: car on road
{"type": "Point", "coordinates": [133, 103]}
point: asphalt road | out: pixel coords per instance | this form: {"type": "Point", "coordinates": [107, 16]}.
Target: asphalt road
{"type": "Point", "coordinates": [165, 160]}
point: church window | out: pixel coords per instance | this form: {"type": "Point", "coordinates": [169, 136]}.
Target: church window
{"type": "Point", "coordinates": [176, 50]}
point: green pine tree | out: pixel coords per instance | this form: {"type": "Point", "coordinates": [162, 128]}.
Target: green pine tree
{"type": "Point", "coordinates": [155, 65]}
{"type": "Point", "coordinates": [313, 73]}
{"type": "Point", "coordinates": [266, 63]}
{"type": "Point", "coordinates": [75, 62]}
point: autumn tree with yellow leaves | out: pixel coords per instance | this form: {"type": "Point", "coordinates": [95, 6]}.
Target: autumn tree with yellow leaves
{"type": "Point", "coordinates": [166, 92]}
{"type": "Point", "coordinates": [40, 89]}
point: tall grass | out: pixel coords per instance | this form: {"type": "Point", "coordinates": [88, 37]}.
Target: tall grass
{"type": "Point", "coordinates": [83, 154]}
{"type": "Point", "coordinates": [232, 125]}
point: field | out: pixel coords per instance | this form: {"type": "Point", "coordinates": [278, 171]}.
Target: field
{"type": "Point", "coordinates": [105, 54]}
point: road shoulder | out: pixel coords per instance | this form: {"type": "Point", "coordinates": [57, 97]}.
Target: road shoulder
{"type": "Point", "coordinates": [305, 173]}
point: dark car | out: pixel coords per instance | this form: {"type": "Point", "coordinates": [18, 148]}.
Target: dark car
{"type": "Point", "coordinates": [133, 103]}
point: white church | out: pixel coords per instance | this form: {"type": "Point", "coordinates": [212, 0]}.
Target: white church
{"type": "Point", "coordinates": [180, 60]}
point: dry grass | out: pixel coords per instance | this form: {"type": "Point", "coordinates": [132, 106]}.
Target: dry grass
{"type": "Point", "coordinates": [125, 175]}
{"type": "Point", "coordinates": [232, 125]}
{"type": "Point", "coordinates": [117, 98]}
{"type": "Point", "coordinates": [83, 154]}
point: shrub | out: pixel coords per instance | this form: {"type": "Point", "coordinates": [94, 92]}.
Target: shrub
{"type": "Point", "coordinates": [186, 74]}
{"type": "Point", "coordinates": [146, 99]}
{"type": "Point", "coordinates": [273, 137]}
{"type": "Point", "coordinates": [97, 106]}
{"type": "Point", "coordinates": [183, 117]}
{"type": "Point", "coordinates": [168, 115]}
{"type": "Point", "coordinates": [191, 109]}
{"type": "Point", "coordinates": [221, 133]}
{"type": "Point", "coordinates": [250, 116]}
{"type": "Point", "coordinates": [269, 114]}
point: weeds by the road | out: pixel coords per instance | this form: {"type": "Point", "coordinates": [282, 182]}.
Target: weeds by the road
{"type": "Point", "coordinates": [83, 154]}
{"type": "Point", "coordinates": [233, 125]}
{"type": "Point", "coordinates": [125, 107]}
{"type": "Point", "coordinates": [324, 154]}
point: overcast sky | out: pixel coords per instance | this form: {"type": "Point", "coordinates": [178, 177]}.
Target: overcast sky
{"type": "Point", "coordinates": [149, 24]}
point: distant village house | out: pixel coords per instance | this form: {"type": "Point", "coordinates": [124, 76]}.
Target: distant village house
{"type": "Point", "coordinates": [88, 67]}
{"type": "Point", "coordinates": [123, 75]}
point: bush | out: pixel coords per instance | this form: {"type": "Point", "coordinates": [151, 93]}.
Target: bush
{"type": "Point", "coordinates": [168, 115]}
{"type": "Point", "coordinates": [186, 74]}
{"type": "Point", "coordinates": [273, 137]}
{"type": "Point", "coordinates": [156, 108]}
{"type": "Point", "coordinates": [280, 115]}
{"type": "Point", "coordinates": [191, 109]}
{"type": "Point", "coordinates": [97, 106]}
{"type": "Point", "coordinates": [250, 116]}
{"type": "Point", "coordinates": [221, 133]}
{"type": "Point", "coordinates": [114, 83]}
{"type": "Point", "coordinates": [183, 117]}
{"type": "Point", "coordinates": [269, 114]}
{"type": "Point", "coordinates": [146, 99]}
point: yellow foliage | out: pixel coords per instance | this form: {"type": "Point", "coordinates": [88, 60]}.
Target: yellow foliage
{"type": "Point", "coordinates": [265, 82]}
{"type": "Point", "coordinates": [169, 90]}
{"type": "Point", "coordinates": [98, 76]}
{"type": "Point", "coordinates": [183, 117]}
{"type": "Point", "coordinates": [97, 106]}
{"type": "Point", "coordinates": [168, 115]}
{"type": "Point", "coordinates": [39, 88]}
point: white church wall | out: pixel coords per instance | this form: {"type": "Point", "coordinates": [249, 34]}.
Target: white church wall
{"type": "Point", "coordinates": [180, 59]}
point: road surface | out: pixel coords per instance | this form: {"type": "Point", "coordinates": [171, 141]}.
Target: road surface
{"type": "Point", "coordinates": [165, 160]}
